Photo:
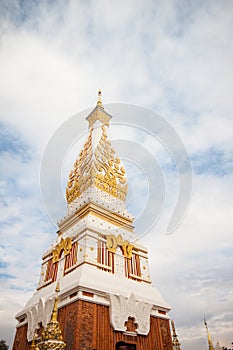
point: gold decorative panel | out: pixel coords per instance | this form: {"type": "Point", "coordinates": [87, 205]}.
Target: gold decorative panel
{"type": "Point", "coordinates": [65, 244]}
{"type": "Point", "coordinates": [114, 241]}
{"type": "Point", "coordinates": [99, 167]}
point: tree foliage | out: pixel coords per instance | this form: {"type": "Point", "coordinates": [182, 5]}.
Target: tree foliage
{"type": "Point", "coordinates": [3, 345]}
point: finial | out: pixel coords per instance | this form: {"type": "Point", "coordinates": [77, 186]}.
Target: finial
{"type": "Point", "coordinates": [57, 290]}
{"type": "Point", "coordinates": [175, 341]}
{"type": "Point", "coordinates": [99, 102]}
{"type": "Point", "coordinates": [211, 347]}
{"type": "Point", "coordinates": [33, 344]}
{"type": "Point", "coordinates": [51, 337]}
{"type": "Point", "coordinates": [55, 311]}
{"type": "Point", "coordinates": [173, 327]}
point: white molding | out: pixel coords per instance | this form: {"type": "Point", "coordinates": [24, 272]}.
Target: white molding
{"type": "Point", "coordinates": [38, 313]}
{"type": "Point", "coordinates": [121, 308]}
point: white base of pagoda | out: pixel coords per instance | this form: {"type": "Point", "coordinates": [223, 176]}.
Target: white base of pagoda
{"type": "Point", "coordinates": [126, 298]}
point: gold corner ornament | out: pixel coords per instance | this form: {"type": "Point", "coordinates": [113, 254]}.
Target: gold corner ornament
{"type": "Point", "coordinates": [116, 241]}
{"type": "Point", "coordinates": [51, 337]}
{"type": "Point", "coordinates": [64, 245]}
{"type": "Point", "coordinates": [100, 168]}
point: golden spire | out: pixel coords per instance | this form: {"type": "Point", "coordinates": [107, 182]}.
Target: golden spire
{"type": "Point", "coordinates": [99, 102]}
{"type": "Point", "coordinates": [175, 341]}
{"type": "Point", "coordinates": [211, 347]}
{"type": "Point", "coordinates": [33, 344]}
{"type": "Point", "coordinates": [97, 164]}
{"type": "Point", "coordinates": [51, 338]}
{"type": "Point", "coordinates": [54, 313]}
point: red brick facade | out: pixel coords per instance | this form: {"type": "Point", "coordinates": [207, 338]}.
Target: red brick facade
{"type": "Point", "coordinates": [86, 326]}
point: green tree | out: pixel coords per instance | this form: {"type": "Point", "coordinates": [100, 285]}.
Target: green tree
{"type": "Point", "coordinates": [3, 345]}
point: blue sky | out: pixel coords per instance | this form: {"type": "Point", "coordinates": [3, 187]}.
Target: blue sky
{"type": "Point", "coordinates": [174, 57]}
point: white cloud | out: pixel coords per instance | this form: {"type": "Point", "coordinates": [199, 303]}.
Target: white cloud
{"type": "Point", "coordinates": [193, 266]}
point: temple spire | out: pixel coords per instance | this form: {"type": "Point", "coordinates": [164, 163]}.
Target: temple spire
{"type": "Point", "coordinates": [99, 102]}
{"type": "Point", "coordinates": [51, 338]}
{"type": "Point", "coordinates": [34, 344]}
{"type": "Point", "coordinates": [211, 347]}
{"type": "Point", "coordinates": [97, 165]}
{"type": "Point", "coordinates": [54, 313]}
{"type": "Point", "coordinates": [175, 341]}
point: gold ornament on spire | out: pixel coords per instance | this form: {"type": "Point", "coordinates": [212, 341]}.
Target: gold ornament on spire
{"type": "Point", "coordinates": [109, 174]}
{"type": "Point", "coordinates": [175, 341]}
{"type": "Point", "coordinates": [99, 166]}
{"type": "Point", "coordinates": [99, 102]}
{"type": "Point", "coordinates": [64, 245]}
{"type": "Point", "coordinates": [54, 313]}
{"type": "Point", "coordinates": [211, 347]}
{"type": "Point", "coordinates": [98, 113]}
{"type": "Point", "coordinates": [51, 338]}
{"type": "Point", "coordinates": [34, 345]}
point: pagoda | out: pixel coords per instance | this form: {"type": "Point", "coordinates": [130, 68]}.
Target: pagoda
{"type": "Point", "coordinates": [210, 344]}
{"type": "Point", "coordinates": [106, 295]}
{"type": "Point", "coordinates": [175, 341]}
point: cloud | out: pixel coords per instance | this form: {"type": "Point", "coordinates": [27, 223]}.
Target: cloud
{"type": "Point", "coordinates": [193, 266]}
{"type": "Point", "coordinates": [213, 161]}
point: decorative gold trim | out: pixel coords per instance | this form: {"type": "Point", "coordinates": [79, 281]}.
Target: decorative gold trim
{"type": "Point", "coordinates": [65, 244]}
{"type": "Point", "coordinates": [100, 168]}
{"type": "Point", "coordinates": [114, 241]}
{"type": "Point", "coordinates": [105, 215]}
{"type": "Point", "coordinates": [51, 337]}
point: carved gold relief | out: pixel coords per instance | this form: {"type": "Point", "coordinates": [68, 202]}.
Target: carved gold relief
{"type": "Point", "coordinates": [64, 245]}
{"type": "Point", "coordinates": [98, 115]}
{"type": "Point", "coordinates": [77, 178]}
{"type": "Point", "coordinates": [116, 241]}
{"type": "Point", "coordinates": [100, 168]}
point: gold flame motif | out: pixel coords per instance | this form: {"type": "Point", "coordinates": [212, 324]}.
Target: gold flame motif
{"type": "Point", "coordinates": [64, 245]}
{"type": "Point", "coordinates": [100, 168]}
{"type": "Point", "coordinates": [116, 241]}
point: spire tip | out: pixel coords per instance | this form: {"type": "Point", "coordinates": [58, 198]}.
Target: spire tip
{"type": "Point", "coordinates": [99, 102]}
{"type": "Point", "coordinates": [57, 290]}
